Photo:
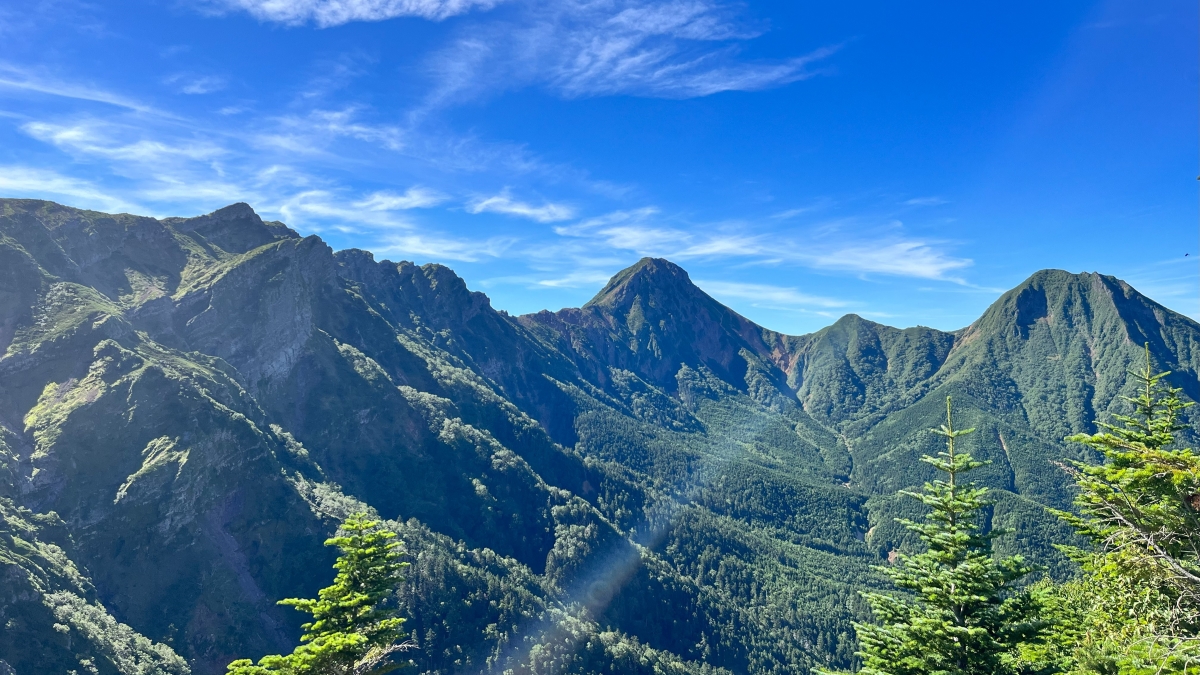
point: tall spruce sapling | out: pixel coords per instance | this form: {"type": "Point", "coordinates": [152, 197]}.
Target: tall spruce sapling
{"type": "Point", "coordinates": [1141, 509]}
{"type": "Point", "coordinates": [352, 632]}
{"type": "Point", "coordinates": [964, 616]}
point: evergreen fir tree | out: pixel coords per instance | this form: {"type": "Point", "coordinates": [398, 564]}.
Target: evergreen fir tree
{"type": "Point", "coordinates": [351, 632]}
{"type": "Point", "coordinates": [964, 616]}
{"type": "Point", "coordinates": [1140, 605]}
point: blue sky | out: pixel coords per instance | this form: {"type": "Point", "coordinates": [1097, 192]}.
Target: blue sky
{"type": "Point", "coordinates": [903, 161]}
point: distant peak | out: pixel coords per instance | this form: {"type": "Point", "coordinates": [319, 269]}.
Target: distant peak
{"type": "Point", "coordinates": [235, 228]}
{"type": "Point", "coordinates": [240, 211]}
{"type": "Point", "coordinates": [655, 264]}
{"type": "Point", "coordinates": [237, 210]}
{"type": "Point", "coordinates": [1052, 275]}
{"type": "Point", "coordinates": [851, 319]}
{"type": "Point", "coordinates": [1056, 283]}
{"type": "Point", "coordinates": [1078, 299]}
{"type": "Point", "coordinates": [648, 276]}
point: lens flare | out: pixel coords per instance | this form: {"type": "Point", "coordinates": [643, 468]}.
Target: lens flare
{"type": "Point", "coordinates": [603, 577]}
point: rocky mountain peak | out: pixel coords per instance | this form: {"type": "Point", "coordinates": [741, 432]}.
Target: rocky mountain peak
{"type": "Point", "coordinates": [1073, 301]}
{"type": "Point", "coordinates": [234, 229]}
{"type": "Point", "coordinates": [647, 278]}
{"type": "Point", "coordinates": [233, 212]}
{"type": "Point", "coordinates": [663, 320]}
{"type": "Point", "coordinates": [236, 210]}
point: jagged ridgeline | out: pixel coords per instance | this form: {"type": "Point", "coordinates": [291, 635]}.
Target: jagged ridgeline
{"type": "Point", "coordinates": [650, 483]}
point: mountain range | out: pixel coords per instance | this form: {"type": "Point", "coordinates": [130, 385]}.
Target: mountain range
{"type": "Point", "coordinates": [650, 483]}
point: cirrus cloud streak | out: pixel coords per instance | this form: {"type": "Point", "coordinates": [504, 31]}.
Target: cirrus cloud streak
{"type": "Point", "coordinates": [505, 204]}
{"type": "Point", "coordinates": [642, 231]}
{"type": "Point", "coordinates": [675, 49]}
{"type": "Point", "coordinates": [328, 13]}
{"type": "Point", "coordinates": [767, 295]}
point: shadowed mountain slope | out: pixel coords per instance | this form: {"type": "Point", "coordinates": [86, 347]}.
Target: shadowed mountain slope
{"type": "Point", "coordinates": [650, 482]}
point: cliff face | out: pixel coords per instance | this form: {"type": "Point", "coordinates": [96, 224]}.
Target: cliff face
{"type": "Point", "coordinates": [199, 401]}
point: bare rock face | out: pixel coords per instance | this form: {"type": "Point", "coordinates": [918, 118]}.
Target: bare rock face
{"type": "Point", "coordinates": [256, 312]}
{"type": "Point", "coordinates": [649, 483]}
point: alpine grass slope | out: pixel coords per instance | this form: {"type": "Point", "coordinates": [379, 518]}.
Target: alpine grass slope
{"type": "Point", "coordinates": [648, 484]}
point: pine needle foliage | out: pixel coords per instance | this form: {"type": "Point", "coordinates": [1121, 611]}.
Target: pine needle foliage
{"type": "Point", "coordinates": [964, 616]}
{"type": "Point", "coordinates": [1141, 509]}
{"type": "Point", "coordinates": [352, 632]}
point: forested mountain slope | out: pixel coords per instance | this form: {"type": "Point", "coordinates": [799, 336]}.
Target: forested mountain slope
{"type": "Point", "coordinates": [650, 483]}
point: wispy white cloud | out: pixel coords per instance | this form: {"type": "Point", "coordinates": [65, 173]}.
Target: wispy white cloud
{"type": "Point", "coordinates": [860, 250]}
{"type": "Point", "coordinates": [32, 182]}
{"type": "Point", "coordinates": [327, 13]}
{"type": "Point", "coordinates": [766, 295]}
{"type": "Point", "coordinates": [925, 201]}
{"type": "Point", "coordinates": [185, 190]}
{"type": "Point", "coordinates": [898, 257]}
{"type": "Point", "coordinates": [689, 79]}
{"type": "Point", "coordinates": [788, 214]}
{"type": "Point", "coordinates": [577, 278]}
{"type": "Point", "coordinates": [676, 49]}
{"type": "Point", "coordinates": [335, 74]}
{"type": "Point", "coordinates": [106, 140]}
{"type": "Point", "coordinates": [415, 197]}
{"type": "Point", "coordinates": [443, 248]}
{"type": "Point", "coordinates": [196, 84]}
{"type": "Point", "coordinates": [673, 49]}
{"type": "Point", "coordinates": [26, 22]}
{"type": "Point", "coordinates": [548, 212]}
{"type": "Point", "coordinates": [386, 233]}
{"type": "Point", "coordinates": [171, 51]}
{"type": "Point", "coordinates": [731, 244]}
{"type": "Point", "coordinates": [640, 231]}
{"type": "Point", "coordinates": [322, 208]}
{"type": "Point", "coordinates": [15, 78]}
{"type": "Point", "coordinates": [613, 219]}
{"type": "Point", "coordinates": [312, 133]}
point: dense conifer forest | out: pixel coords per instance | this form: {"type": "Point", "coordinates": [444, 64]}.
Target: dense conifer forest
{"type": "Point", "coordinates": [190, 408]}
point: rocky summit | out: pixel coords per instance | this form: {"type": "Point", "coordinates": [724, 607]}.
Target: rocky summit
{"type": "Point", "coordinates": [650, 483]}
